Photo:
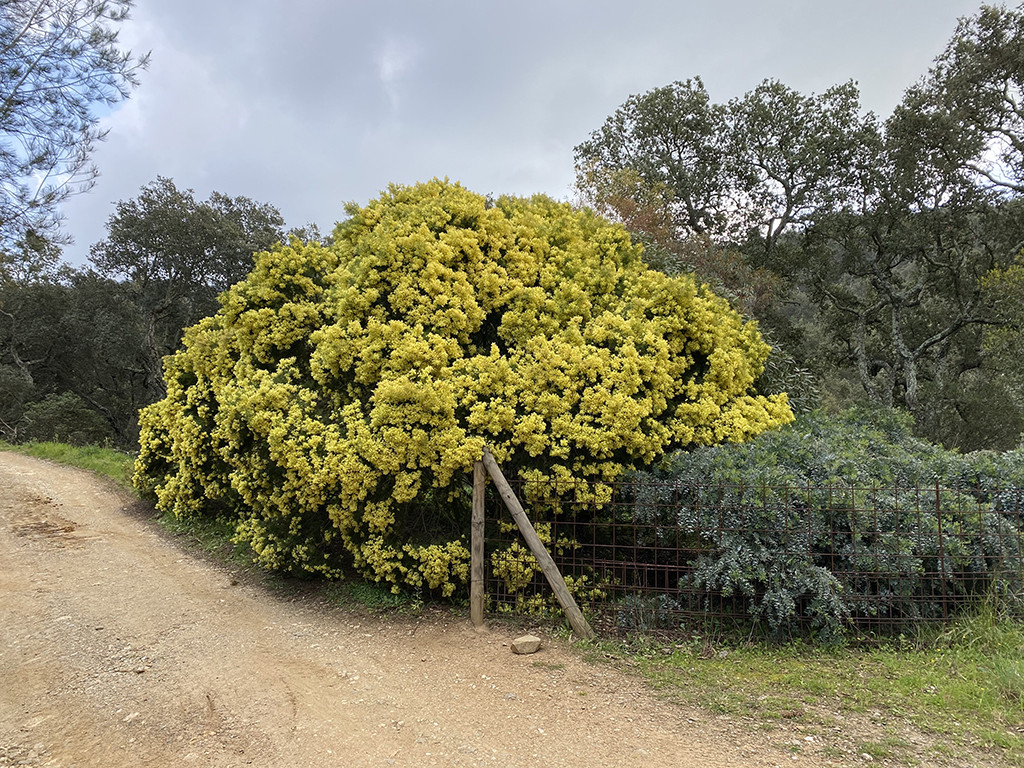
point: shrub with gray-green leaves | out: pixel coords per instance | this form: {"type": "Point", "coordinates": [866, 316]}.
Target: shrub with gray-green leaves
{"type": "Point", "coordinates": [835, 519]}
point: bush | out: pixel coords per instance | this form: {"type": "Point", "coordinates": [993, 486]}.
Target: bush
{"type": "Point", "coordinates": [836, 517]}
{"type": "Point", "coordinates": [63, 417]}
{"type": "Point", "coordinates": [335, 402]}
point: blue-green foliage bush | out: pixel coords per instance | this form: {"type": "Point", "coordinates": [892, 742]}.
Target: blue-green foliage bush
{"type": "Point", "coordinates": [834, 519]}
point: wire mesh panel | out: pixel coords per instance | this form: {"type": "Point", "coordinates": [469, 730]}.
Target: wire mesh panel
{"type": "Point", "coordinates": [652, 556]}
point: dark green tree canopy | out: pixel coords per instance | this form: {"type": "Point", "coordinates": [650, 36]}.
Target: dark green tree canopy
{"type": "Point", "coordinates": [177, 254]}
{"type": "Point", "coordinates": [71, 339]}
{"type": "Point", "coordinates": [91, 342]}
{"type": "Point", "coordinates": [168, 238]}
{"type": "Point", "coordinates": [973, 97]}
{"type": "Point", "coordinates": [763, 163]}
{"type": "Point", "coordinates": [669, 144]}
{"type": "Point", "coordinates": [795, 156]}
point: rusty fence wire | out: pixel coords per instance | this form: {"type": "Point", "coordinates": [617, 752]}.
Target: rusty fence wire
{"type": "Point", "coordinates": [669, 556]}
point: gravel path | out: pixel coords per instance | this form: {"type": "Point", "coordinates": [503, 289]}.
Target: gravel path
{"type": "Point", "coordinates": [119, 648]}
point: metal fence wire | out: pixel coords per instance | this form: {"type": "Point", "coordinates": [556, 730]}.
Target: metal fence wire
{"type": "Point", "coordinates": [665, 556]}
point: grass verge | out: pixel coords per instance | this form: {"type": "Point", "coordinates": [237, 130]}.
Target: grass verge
{"type": "Point", "coordinates": [109, 462]}
{"type": "Point", "coordinates": [961, 688]}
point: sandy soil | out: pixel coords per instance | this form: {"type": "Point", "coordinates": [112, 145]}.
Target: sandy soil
{"type": "Point", "coordinates": [120, 648]}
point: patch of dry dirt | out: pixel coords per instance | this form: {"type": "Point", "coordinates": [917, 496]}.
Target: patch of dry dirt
{"type": "Point", "coordinates": [118, 648]}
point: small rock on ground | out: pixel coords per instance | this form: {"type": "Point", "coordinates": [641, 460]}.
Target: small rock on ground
{"type": "Point", "coordinates": [526, 644]}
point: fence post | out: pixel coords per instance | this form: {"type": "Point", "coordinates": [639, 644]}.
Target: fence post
{"type": "Point", "coordinates": [547, 565]}
{"type": "Point", "coordinates": [942, 551]}
{"type": "Point", "coordinates": [476, 586]}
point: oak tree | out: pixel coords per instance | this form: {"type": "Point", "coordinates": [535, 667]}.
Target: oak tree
{"type": "Point", "coordinates": [178, 253]}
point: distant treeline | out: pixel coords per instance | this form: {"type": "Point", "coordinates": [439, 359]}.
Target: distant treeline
{"type": "Point", "coordinates": [81, 349]}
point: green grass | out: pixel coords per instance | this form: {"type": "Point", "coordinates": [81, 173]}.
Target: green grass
{"type": "Point", "coordinates": [962, 687]}
{"type": "Point", "coordinates": [210, 535]}
{"type": "Point", "coordinates": [108, 462]}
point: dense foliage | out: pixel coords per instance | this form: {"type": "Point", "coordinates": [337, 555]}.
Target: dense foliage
{"type": "Point", "coordinates": [860, 245]}
{"type": "Point", "coordinates": [337, 399]}
{"type": "Point", "coordinates": [861, 447]}
{"type": "Point", "coordinates": [332, 404]}
{"type": "Point", "coordinates": [175, 255]}
{"type": "Point", "coordinates": [80, 351]}
{"type": "Point", "coordinates": [841, 518]}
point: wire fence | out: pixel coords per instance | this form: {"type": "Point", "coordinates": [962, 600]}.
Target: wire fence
{"type": "Point", "coordinates": [672, 556]}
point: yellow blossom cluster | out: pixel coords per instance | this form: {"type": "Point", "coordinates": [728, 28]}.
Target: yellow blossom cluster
{"type": "Point", "coordinates": [335, 403]}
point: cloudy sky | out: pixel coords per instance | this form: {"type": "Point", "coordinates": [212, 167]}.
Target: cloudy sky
{"type": "Point", "coordinates": [308, 104]}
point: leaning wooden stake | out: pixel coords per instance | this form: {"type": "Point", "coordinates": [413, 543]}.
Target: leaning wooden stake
{"type": "Point", "coordinates": [547, 565]}
{"type": "Point", "coordinates": [476, 585]}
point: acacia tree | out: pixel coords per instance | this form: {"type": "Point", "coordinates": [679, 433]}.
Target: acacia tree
{"type": "Point", "coordinates": [59, 59]}
{"type": "Point", "coordinates": [335, 402]}
{"type": "Point", "coordinates": [722, 191]}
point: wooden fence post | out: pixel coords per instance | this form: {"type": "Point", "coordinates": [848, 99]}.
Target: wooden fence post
{"type": "Point", "coordinates": [547, 565]}
{"type": "Point", "coordinates": [476, 586]}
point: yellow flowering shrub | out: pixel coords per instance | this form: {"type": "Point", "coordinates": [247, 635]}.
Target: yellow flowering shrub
{"type": "Point", "coordinates": [337, 400]}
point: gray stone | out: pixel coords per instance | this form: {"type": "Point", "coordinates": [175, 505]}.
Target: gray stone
{"type": "Point", "coordinates": [526, 644]}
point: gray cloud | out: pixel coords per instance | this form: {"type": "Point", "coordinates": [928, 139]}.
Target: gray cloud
{"type": "Point", "coordinates": [312, 103]}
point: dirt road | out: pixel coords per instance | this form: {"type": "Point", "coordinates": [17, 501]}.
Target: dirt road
{"type": "Point", "coordinates": [119, 648]}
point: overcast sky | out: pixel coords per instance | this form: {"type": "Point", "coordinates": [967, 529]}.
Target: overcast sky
{"type": "Point", "coordinates": [308, 104]}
